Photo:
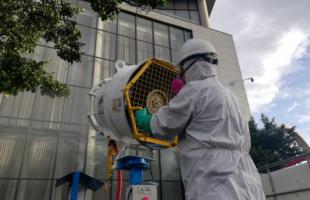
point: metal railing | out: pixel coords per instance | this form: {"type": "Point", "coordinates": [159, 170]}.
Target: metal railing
{"type": "Point", "coordinates": [305, 156]}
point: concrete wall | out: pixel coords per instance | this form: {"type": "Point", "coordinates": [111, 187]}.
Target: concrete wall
{"type": "Point", "coordinates": [291, 183]}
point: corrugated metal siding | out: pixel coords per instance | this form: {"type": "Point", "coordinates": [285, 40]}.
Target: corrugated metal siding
{"type": "Point", "coordinates": [11, 151]}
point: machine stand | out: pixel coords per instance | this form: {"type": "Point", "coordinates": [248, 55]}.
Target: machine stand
{"type": "Point", "coordinates": [135, 165]}
{"type": "Point", "coordinates": [136, 177]}
{"type": "Point", "coordinates": [78, 182]}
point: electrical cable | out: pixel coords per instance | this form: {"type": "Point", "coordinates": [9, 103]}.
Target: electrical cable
{"type": "Point", "coordinates": [129, 193]}
{"type": "Point", "coordinates": [68, 195]}
{"type": "Point", "coordinates": [151, 172]}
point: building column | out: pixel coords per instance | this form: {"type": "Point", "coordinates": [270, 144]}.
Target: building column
{"type": "Point", "coordinates": [91, 139]}
{"type": "Point", "coordinates": [204, 14]}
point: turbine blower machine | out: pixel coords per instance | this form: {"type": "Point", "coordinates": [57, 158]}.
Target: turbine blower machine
{"type": "Point", "coordinates": [114, 102]}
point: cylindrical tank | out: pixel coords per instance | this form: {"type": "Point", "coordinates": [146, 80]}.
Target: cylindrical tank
{"type": "Point", "coordinates": [132, 88]}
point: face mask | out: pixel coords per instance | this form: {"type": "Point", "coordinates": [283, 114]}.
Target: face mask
{"type": "Point", "coordinates": [177, 84]}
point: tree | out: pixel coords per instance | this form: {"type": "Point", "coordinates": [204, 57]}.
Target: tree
{"type": "Point", "coordinates": [25, 22]}
{"type": "Point", "coordinates": [272, 142]}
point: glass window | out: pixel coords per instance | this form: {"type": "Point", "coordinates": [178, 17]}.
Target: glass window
{"type": "Point", "coordinates": [181, 5]}
{"type": "Point", "coordinates": [81, 74]}
{"type": "Point", "coordinates": [181, 9]}
{"type": "Point", "coordinates": [195, 17]}
{"type": "Point", "coordinates": [162, 53]}
{"type": "Point", "coordinates": [88, 39]}
{"type": "Point", "coordinates": [144, 30]}
{"type": "Point", "coordinates": [108, 45]}
{"type": "Point", "coordinates": [40, 155]}
{"type": "Point", "coordinates": [176, 37]}
{"type": "Point", "coordinates": [169, 12]}
{"type": "Point", "coordinates": [48, 109]}
{"type": "Point", "coordinates": [76, 106]}
{"type": "Point", "coordinates": [18, 106]}
{"type": "Point", "coordinates": [168, 5]}
{"type": "Point", "coordinates": [126, 49]}
{"type": "Point", "coordinates": [110, 26]}
{"type": "Point", "coordinates": [107, 68]}
{"type": "Point", "coordinates": [174, 54]}
{"type": "Point", "coordinates": [126, 24]}
{"type": "Point", "coordinates": [144, 51]}
{"type": "Point", "coordinates": [57, 66]}
{"type": "Point", "coordinates": [182, 13]}
{"type": "Point", "coordinates": [88, 17]}
{"type": "Point", "coordinates": [193, 5]}
{"type": "Point", "coordinates": [161, 34]}
{"type": "Point", "coordinates": [71, 153]}
{"type": "Point", "coordinates": [48, 125]}
{"type": "Point", "coordinates": [188, 35]}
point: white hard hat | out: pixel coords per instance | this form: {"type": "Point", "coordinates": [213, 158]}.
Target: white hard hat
{"type": "Point", "coordinates": [195, 47]}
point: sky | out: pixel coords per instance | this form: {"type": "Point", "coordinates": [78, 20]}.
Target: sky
{"type": "Point", "coordinates": [272, 39]}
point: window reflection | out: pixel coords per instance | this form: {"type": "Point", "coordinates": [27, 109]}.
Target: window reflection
{"type": "Point", "coordinates": [161, 34]}
{"type": "Point", "coordinates": [110, 26]}
{"type": "Point", "coordinates": [126, 49]}
{"type": "Point", "coordinates": [176, 37]}
{"type": "Point", "coordinates": [126, 24]}
{"type": "Point", "coordinates": [144, 51]}
{"type": "Point", "coordinates": [183, 14]}
{"type": "Point", "coordinates": [183, 9]}
{"type": "Point", "coordinates": [144, 29]}
{"type": "Point", "coordinates": [162, 53]}
{"type": "Point", "coordinates": [108, 45]}
{"type": "Point", "coordinates": [133, 39]}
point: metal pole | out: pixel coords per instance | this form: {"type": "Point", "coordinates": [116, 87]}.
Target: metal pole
{"type": "Point", "coordinates": [75, 186]}
{"type": "Point", "coordinates": [160, 177]}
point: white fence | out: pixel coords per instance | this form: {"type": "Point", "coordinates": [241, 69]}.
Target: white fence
{"type": "Point", "coordinates": [291, 183]}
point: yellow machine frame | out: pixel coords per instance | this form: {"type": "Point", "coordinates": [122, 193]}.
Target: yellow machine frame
{"type": "Point", "coordinates": [137, 135]}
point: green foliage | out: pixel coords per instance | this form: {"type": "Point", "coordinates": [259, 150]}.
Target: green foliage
{"type": "Point", "coordinates": [272, 142]}
{"type": "Point", "coordinates": [107, 9]}
{"type": "Point", "coordinates": [25, 22]}
{"type": "Point", "coordinates": [19, 73]}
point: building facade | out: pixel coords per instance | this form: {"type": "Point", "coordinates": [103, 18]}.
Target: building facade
{"type": "Point", "coordinates": [42, 139]}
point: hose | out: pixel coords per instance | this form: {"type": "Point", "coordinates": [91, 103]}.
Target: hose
{"type": "Point", "coordinates": [129, 193]}
{"type": "Point", "coordinates": [119, 184]}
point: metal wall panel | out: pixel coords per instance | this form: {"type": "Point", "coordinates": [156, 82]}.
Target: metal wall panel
{"type": "Point", "coordinates": [11, 151]}
{"type": "Point", "coordinates": [7, 189]}
{"type": "Point", "coordinates": [172, 190]}
{"type": "Point", "coordinates": [39, 157]}
{"type": "Point", "coordinates": [34, 190]}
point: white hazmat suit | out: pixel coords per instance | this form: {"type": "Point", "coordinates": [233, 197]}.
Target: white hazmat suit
{"type": "Point", "coordinates": [215, 140]}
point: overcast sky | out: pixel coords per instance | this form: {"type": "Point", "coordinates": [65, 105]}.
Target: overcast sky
{"type": "Point", "coordinates": [272, 38]}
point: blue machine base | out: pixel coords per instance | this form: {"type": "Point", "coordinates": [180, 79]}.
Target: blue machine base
{"type": "Point", "coordinates": [136, 166]}
{"type": "Point", "coordinates": [78, 179]}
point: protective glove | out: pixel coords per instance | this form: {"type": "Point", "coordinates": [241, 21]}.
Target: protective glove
{"type": "Point", "coordinates": [143, 119]}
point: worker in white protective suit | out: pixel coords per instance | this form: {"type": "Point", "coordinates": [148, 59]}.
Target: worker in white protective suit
{"type": "Point", "coordinates": [215, 141]}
